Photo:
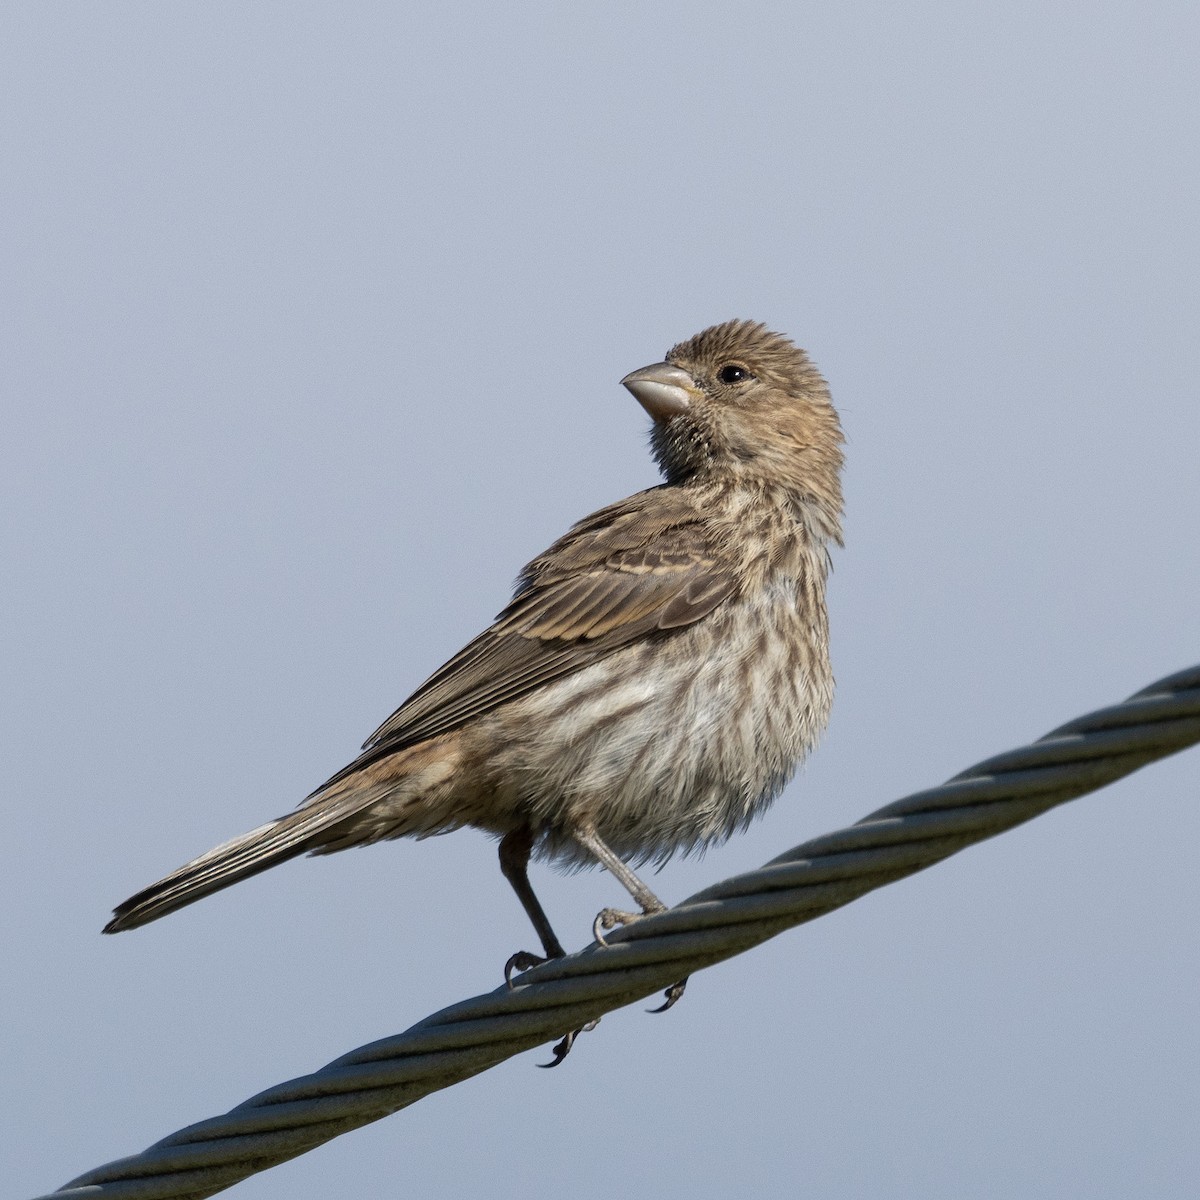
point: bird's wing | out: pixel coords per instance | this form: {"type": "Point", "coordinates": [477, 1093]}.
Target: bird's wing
{"type": "Point", "coordinates": [643, 567]}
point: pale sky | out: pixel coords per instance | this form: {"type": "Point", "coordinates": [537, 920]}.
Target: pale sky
{"type": "Point", "coordinates": [314, 321]}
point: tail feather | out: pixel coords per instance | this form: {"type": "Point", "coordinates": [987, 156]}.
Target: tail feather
{"type": "Point", "coordinates": [239, 858]}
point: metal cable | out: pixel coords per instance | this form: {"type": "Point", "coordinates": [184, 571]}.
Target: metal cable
{"type": "Point", "coordinates": [812, 879]}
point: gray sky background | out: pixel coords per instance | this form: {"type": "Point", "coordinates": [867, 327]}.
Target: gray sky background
{"type": "Point", "coordinates": [313, 322]}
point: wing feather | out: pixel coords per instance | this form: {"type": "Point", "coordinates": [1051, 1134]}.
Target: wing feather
{"type": "Point", "coordinates": [647, 566]}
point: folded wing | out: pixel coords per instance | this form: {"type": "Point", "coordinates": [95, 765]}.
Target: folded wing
{"type": "Point", "coordinates": [642, 568]}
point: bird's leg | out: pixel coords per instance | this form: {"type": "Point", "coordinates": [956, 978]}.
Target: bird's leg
{"type": "Point", "coordinates": [515, 849]}
{"type": "Point", "coordinates": [590, 840]}
{"type": "Point", "coordinates": [609, 918]}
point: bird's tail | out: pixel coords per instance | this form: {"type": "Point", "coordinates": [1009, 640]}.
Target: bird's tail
{"type": "Point", "coordinates": [306, 829]}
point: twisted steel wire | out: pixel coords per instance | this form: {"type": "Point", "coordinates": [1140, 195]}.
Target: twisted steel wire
{"type": "Point", "coordinates": [812, 879]}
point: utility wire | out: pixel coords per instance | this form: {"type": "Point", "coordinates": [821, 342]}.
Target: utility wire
{"type": "Point", "coordinates": [551, 1000]}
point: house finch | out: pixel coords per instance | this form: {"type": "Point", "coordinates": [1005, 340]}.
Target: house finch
{"type": "Point", "coordinates": [656, 678]}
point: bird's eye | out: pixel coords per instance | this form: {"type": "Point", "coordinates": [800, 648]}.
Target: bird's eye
{"type": "Point", "coordinates": [732, 373]}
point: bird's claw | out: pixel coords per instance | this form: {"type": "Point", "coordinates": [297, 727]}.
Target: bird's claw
{"type": "Point", "coordinates": [672, 996]}
{"type": "Point", "coordinates": [610, 918]}
{"type": "Point", "coordinates": [563, 1047]}
{"type": "Point", "coordinates": [523, 960]}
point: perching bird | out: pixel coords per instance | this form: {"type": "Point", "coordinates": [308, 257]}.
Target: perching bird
{"type": "Point", "coordinates": [654, 682]}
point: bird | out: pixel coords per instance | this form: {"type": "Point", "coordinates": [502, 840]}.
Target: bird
{"type": "Point", "coordinates": [656, 678]}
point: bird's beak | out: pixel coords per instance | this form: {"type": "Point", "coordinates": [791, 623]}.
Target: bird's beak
{"type": "Point", "coordinates": [662, 390]}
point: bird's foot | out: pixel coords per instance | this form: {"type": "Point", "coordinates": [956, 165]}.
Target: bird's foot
{"type": "Point", "coordinates": [610, 918]}
{"type": "Point", "coordinates": [523, 960]}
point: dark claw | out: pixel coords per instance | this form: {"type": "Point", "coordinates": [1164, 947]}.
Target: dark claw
{"type": "Point", "coordinates": [522, 961]}
{"type": "Point", "coordinates": [672, 994]}
{"type": "Point", "coordinates": [563, 1048]}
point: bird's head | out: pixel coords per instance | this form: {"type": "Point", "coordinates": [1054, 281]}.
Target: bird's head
{"type": "Point", "coordinates": [741, 404]}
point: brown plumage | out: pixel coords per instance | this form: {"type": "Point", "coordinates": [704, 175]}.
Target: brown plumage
{"type": "Point", "coordinates": [657, 676]}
